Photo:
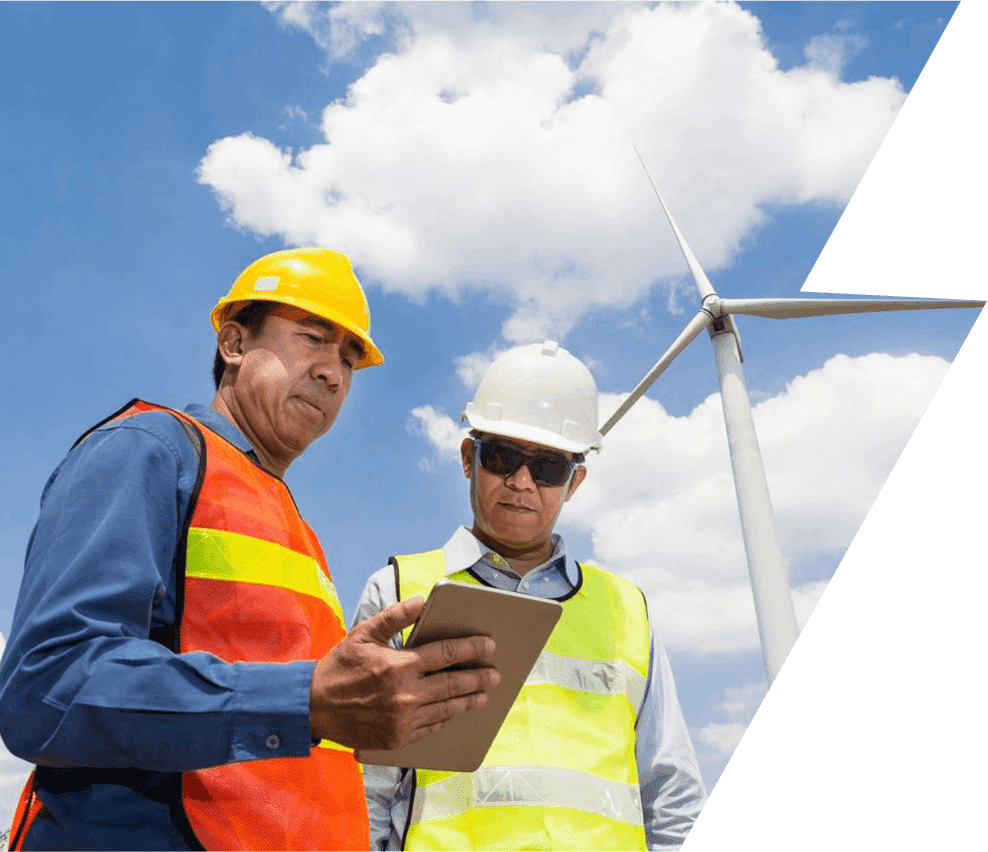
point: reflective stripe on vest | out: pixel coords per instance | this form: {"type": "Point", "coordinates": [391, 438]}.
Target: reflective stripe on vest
{"type": "Point", "coordinates": [256, 588]}
{"type": "Point", "coordinates": [561, 773]}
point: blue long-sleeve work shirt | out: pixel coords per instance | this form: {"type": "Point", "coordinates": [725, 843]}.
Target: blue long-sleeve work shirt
{"type": "Point", "coordinates": [82, 685]}
{"type": "Point", "coordinates": [672, 791]}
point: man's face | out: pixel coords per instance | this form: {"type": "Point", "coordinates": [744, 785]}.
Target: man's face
{"type": "Point", "coordinates": [513, 512]}
{"type": "Point", "coordinates": [291, 380]}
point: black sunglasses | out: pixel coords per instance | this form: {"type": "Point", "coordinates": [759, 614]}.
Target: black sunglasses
{"type": "Point", "coordinates": [548, 469]}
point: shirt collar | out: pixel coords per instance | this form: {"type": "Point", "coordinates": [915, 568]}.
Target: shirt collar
{"type": "Point", "coordinates": [224, 427]}
{"type": "Point", "coordinates": [464, 550]}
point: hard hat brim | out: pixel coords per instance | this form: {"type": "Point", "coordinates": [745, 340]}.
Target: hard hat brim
{"type": "Point", "coordinates": [373, 356]}
{"type": "Point", "coordinates": [534, 434]}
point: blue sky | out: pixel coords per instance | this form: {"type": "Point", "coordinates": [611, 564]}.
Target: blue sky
{"type": "Point", "coordinates": [480, 172]}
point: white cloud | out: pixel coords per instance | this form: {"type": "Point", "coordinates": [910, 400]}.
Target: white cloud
{"type": "Point", "coordinates": [339, 29]}
{"type": "Point", "coordinates": [716, 741]}
{"type": "Point", "coordinates": [470, 368]}
{"type": "Point", "coordinates": [659, 501]}
{"type": "Point", "coordinates": [832, 51]}
{"type": "Point", "coordinates": [492, 149]}
{"type": "Point", "coordinates": [741, 702]}
{"type": "Point", "coordinates": [720, 737]}
{"type": "Point", "coordinates": [440, 431]}
{"type": "Point", "coordinates": [292, 114]}
{"type": "Point", "coordinates": [343, 28]}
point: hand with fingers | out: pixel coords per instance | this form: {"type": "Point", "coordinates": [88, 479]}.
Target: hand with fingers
{"type": "Point", "coordinates": [368, 695]}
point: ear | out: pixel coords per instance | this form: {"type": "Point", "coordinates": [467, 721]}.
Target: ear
{"type": "Point", "coordinates": [466, 456]}
{"type": "Point", "coordinates": [578, 476]}
{"type": "Point", "coordinates": [230, 342]}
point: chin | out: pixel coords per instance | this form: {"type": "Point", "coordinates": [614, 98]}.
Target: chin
{"type": "Point", "coordinates": [515, 538]}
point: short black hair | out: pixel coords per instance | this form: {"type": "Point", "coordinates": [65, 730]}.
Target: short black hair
{"type": "Point", "coordinates": [251, 316]}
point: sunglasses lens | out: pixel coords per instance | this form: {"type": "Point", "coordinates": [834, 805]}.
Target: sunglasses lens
{"type": "Point", "coordinates": [550, 470]}
{"type": "Point", "coordinates": [504, 460]}
{"type": "Point", "coordinates": [500, 458]}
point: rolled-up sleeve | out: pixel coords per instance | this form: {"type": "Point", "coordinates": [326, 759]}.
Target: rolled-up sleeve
{"type": "Point", "coordinates": [82, 683]}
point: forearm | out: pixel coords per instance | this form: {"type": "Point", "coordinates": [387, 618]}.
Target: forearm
{"type": "Point", "coordinates": [81, 684]}
{"type": "Point", "coordinates": [134, 703]}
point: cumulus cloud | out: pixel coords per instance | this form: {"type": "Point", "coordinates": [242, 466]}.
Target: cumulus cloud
{"type": "Point", "coordinates": [716, 741]}
{"type": "Point", "coordinates": [440, 430]}
{"type": "Point", "coordinates": [490, 148]}
{"type": "Point", "coordinates": [659, 501]}
{"type": "Point", "coordinates": [343, 28]}
{"type": "Point", "coordinates": [832, 51]}
{"type": "Point", "coordinates": [339, 29]}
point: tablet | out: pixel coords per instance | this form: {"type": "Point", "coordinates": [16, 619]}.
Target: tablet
{"type": "Point", "coordinates": [520, 626]}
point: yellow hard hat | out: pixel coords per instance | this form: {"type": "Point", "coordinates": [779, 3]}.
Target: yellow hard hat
{"type": "Point", "coordinates": [316, 280]}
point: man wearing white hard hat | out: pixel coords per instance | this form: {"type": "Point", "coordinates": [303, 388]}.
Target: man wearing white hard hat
{"type": "Point", "coordinates": [595, 753]}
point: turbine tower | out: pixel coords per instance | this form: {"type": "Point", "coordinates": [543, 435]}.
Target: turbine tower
{"type": "Point", "coordinates": [774, 610]}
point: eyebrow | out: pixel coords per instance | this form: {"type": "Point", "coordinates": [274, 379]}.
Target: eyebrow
{"type": "Point", "coordinates": [348, 337]}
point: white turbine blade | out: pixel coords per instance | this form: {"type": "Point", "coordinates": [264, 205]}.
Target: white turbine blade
{"type": "Point", "coordinates": [699, 276]}
{"type": "Point", "coordinates": [696, 325]}
{"type": "Point", "coordinates": [794, 308]}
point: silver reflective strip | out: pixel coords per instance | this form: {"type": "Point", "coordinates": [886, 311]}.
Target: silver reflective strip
{"type": "Point", "coordinates": [613, 677]}
{"type": "Point", "coordinates": [518, 786]}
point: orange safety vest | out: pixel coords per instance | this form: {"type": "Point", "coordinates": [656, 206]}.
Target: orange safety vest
{"type": "Point", "coordinates": [254, 586]}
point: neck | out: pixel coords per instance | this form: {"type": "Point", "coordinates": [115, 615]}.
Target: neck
{"type": "Point", "coordinates": [225, 404]}
{"type": "Point", "coordinates": [520, 558]}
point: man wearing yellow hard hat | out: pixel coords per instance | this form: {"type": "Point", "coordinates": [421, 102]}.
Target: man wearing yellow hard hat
{"type": "Point", "coordinates": [178, 670]}
{"type": "Point", "coordinates": [594, 753]}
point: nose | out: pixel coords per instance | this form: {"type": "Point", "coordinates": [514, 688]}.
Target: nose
{"type": "Point", "coordinates": [329, 368]}
{"type": "Point", "coordinates": [520, 480]}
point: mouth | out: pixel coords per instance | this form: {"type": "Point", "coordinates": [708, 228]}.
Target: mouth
{"type": "Point", "coordinates": [313, 405]}
{"type": "Point", "coordinates": [514, 507]}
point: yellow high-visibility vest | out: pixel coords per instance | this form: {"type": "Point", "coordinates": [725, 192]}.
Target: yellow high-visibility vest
{"type": "Point", "coordinates": [561, 773]}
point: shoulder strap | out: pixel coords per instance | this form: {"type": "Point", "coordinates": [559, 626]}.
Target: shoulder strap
{"type": "Point", "coordinates": [169, 635]}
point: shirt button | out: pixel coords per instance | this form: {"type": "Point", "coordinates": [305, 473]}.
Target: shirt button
{"type": "Point", "coordinates": [545, 579]}
{"type": "Point", "coordinates": [526, 584]}
{"type": "Point", "coordinates": [273, 742]}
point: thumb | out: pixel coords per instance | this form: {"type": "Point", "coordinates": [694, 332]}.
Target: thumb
{"type": "Point", "coordinates": [395, 618]}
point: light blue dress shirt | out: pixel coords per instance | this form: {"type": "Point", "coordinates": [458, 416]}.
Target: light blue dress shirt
{"type": "Point", "coordinates": [672, 790]}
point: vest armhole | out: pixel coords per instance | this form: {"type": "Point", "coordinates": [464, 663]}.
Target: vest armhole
{"type": "Point", "coordinates": [651, 662]}
{"type": "Point", "coordinates": [170, 635]}
{"type": "Point", "coordinates": [103, 422]}
{"type": "Point", "coordinates": [17, 834]}
{"type": "Point", "coordinates": [411, 802]}
{"type": "Point", "coordinates": [199, 444]}
{"type": "Point", "coordinates": [394, 564]}
{"type": "Point", "coordinates": [180, 817]}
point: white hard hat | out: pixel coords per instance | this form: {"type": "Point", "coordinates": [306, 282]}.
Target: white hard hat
{"type": "Point", "coordinates": [538, 393]}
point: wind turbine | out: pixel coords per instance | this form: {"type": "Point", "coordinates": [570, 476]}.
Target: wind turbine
{"type": "Point", "coordinates": [766, 568]}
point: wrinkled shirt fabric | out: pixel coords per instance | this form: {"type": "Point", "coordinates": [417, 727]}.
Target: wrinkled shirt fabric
{"type": "Point", "coordinates": [82, 687]}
